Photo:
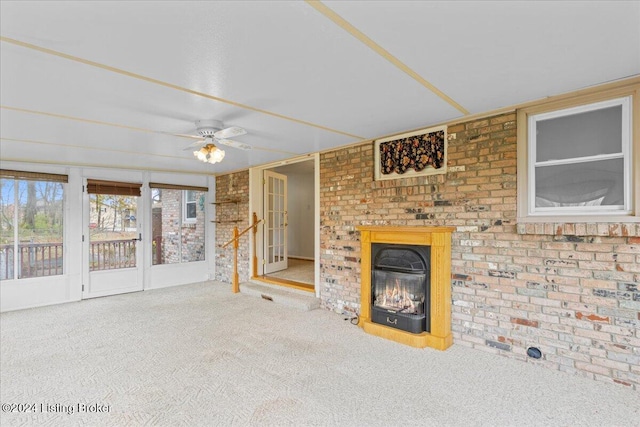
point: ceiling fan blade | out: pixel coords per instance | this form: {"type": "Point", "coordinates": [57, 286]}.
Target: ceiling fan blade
{"type": "Point", "coordinates": [235, 144]}
{"type": "Point", "coordinates": [195, 144]}
{"type": "Point", "coordinates": [229, 132]}
{"type": "Point", "coordinates": [186, 135]}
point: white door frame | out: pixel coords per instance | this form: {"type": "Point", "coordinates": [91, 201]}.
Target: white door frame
{"type": "Point", "coordinates": [256, 203]}
{"type": "Point", "coordinates": [135, 274]}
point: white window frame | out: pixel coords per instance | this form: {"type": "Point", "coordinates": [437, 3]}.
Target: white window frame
{"type": "Point", "coordinates": [625, 154]}
{"type": "Point", "coordinates": [185, 202]}
{"type": "Point", "coordinates": [626, 95]}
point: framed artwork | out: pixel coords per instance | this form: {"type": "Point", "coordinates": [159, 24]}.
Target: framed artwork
{"type": "Point", "coordinates": [418, 153]}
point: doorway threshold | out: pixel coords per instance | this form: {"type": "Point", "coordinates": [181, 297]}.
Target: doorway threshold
{"type": "Point", "coordinates": [286, 283]}
{"type": "Point", "coordinates": [283, 296]}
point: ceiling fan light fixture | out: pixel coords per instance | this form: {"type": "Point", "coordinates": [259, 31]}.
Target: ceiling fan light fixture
{"type": "Point", "coordinates": [211, 131]}
{"type": "Point", "coordinates": [216, 155]}
{"type": "Point", "coordinates": [201, 154]}
{"type": "Point", "coordinates": [209, 154]}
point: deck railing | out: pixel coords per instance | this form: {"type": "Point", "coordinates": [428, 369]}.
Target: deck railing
{"type": "Point", "coordinates": [45, 259]}
{"type": "Point", "coordinates": [112, 254]}
{"type": "Point", "coordinates": [34, 260]}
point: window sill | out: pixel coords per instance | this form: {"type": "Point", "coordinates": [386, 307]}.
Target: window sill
{"type": "Point", "coordinates": [627, 227]}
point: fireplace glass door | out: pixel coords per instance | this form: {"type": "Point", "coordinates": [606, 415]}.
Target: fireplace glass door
{"type": "Point", "coordinates": [399, 292]}
{"type": "Point", "coordinates": [399, 287]}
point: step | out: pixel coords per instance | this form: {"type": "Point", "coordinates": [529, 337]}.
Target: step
{"type": "Point", "coordinates": [300, 300]}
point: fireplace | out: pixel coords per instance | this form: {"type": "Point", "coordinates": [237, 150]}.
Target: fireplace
{"type": "Point", "coordinates": [400, 286]}
{"type": "Point", "coordinates": [405, 284]}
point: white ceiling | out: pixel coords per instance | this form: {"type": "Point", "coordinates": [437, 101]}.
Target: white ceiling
{"type": "Point", "coordinates": [119, 84]}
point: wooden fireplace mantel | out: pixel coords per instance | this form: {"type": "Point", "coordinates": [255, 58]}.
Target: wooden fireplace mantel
{"type": "Point", "coordinates": [439, 239]}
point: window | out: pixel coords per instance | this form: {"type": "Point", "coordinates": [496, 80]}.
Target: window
{"type": "Point", "coordinates": [576, 160]}
{"type": "Point", "coordinates": [178, 223]}
{"type": "Point", "coordinates": [31, 224]}
{"type": "Point", "coordinates": [112, 231]}
{"type": "Point", "coordinates": [189, 212]}
{"type": "Point", "coordinates": [579, 159]}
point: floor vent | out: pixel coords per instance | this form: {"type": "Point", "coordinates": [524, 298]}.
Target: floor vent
{"type": "Point", "coordinates": [293, 298]}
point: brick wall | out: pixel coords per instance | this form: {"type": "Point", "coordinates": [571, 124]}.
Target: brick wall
{"type": "Point", "coordinates": [572, 290]}
{"type": "Point", "coordinates": [181, 242]}
{"type": "Point", "coordinates": [171, 219]}
{"type": "Point", "coordinates": [233, 186]}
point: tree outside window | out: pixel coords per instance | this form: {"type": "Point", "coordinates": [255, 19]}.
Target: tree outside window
{"type": "Point", "coordinates": [31, 228]}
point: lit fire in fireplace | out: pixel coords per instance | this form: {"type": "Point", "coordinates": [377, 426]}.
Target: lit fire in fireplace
{"type": "Point", "coordinates": [394, 296]}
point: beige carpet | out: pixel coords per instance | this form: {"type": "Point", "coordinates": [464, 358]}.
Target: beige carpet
{"type": "Point", "coordinates": [199, 355]}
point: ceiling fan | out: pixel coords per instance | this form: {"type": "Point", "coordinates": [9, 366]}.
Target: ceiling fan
{"type": "Point", "coordinates": [213, 131]}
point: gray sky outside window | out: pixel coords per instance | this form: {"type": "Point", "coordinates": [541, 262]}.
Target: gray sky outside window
{"type": "Point", "coordinates": [572, 138]}
{"type": "Point", "coordinates": [580, 135]}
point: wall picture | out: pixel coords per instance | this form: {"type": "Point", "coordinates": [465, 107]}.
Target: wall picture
{"type": "Point", "coordinates": [418, 153]}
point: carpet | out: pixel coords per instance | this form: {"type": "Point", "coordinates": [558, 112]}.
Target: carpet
{"type": "Point", "coordinates": [198, 355]}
